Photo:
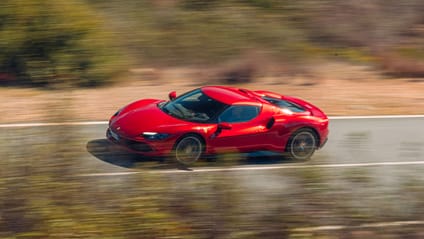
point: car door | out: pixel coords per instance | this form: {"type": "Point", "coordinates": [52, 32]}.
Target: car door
{"type": "Point", "coordinates": [244, 129]}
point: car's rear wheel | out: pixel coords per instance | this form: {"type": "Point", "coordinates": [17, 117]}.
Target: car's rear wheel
{"type": "Point", "coordinates": [188, 149]}
{"type": "Point", "coordinates": [302, 144]}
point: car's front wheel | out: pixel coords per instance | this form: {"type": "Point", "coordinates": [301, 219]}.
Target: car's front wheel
{"type": "Point", "coordinates": [188, 149]}
{"type": "Point", "coordinates": [302, 144]}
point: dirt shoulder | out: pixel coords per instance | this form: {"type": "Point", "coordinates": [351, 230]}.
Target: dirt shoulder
{"type": "Point", "coordinates": [339, 89]}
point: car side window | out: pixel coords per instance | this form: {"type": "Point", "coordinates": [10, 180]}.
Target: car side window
{"type": "Point", "coordinates": [284, 104]}
{"type": "Point", "coordinates": [239, 113]}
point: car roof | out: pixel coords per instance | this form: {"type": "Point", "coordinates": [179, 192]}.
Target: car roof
{"type": "Point", "coordinates": [230, 95]}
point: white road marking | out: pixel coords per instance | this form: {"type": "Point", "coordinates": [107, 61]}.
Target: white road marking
{"type": "Point", "coordinates": [13, 125]}
{"type": "Point", "coordinates": [292, 166]}
{"type": "Point", "coordinates": [297, 166]}
{"type": "Point", "coordinates": [250, 168]}
{"type": "Point", "coordinates": [107, 174]}
{"type": "Point", "coordinates": [361, 226]}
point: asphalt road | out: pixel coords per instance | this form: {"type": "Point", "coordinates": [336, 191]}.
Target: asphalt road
{"type": "Point", "coordinates": [370, 166]}
{"type": "Point", "coordinates": [351, 141]}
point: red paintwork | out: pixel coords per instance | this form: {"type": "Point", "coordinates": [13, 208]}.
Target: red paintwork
{"type": "Point", "coordinates": [145, 116]}
{"type": "Point", "coordinates": [225, 94]}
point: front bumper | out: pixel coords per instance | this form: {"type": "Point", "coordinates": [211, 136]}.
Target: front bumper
{"type": "Point", "coordinates": [323, 143]}
{"type": "Point", "coordinates": [140, 147]}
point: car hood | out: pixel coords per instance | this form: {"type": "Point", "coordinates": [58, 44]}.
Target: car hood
{"type": "Point", "coordinates": [145, 118]}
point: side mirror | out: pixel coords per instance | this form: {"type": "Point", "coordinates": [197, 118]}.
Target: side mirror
{"type": "Point", "coordinates": [219, 129]}
{"type": "Point", "coordinates": [172, 95]}
{"type": "Point", "coordinates": [224, 126]}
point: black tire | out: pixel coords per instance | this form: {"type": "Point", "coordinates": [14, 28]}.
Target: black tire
{"type": "Point", "coordinates": [302, 144]}
{"type": "Point", "coordinates": [188, 149]}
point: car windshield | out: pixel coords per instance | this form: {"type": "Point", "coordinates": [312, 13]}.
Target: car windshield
{"type": "Point", "coordinates": [194, 106]}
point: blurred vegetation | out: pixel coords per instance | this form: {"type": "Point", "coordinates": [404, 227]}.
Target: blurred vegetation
{"type": "Point", "coordinates": [83, 42]}
{"type": "Point", "coordinates": [54, 43]}
{"type": "Point", "coordinates": [181, 32]}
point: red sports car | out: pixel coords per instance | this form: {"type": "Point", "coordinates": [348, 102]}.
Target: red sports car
{"type": "Point", "coordinates": [214, 119]}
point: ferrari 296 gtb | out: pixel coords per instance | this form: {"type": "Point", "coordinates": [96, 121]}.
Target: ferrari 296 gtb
{"type": "Point", "coordinates": [215, 119]}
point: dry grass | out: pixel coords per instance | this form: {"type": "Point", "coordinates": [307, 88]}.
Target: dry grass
{"type": "Point", "coordinates": [337, 88]}
{"type": "Point", "coordinates": [399, 66]}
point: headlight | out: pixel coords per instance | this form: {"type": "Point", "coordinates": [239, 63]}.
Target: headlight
{"type": "Point", "coordinates": [154, 136]}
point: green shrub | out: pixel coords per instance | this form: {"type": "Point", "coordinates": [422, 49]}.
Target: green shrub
{"type": "Point", "coordinates": [54, 43]}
